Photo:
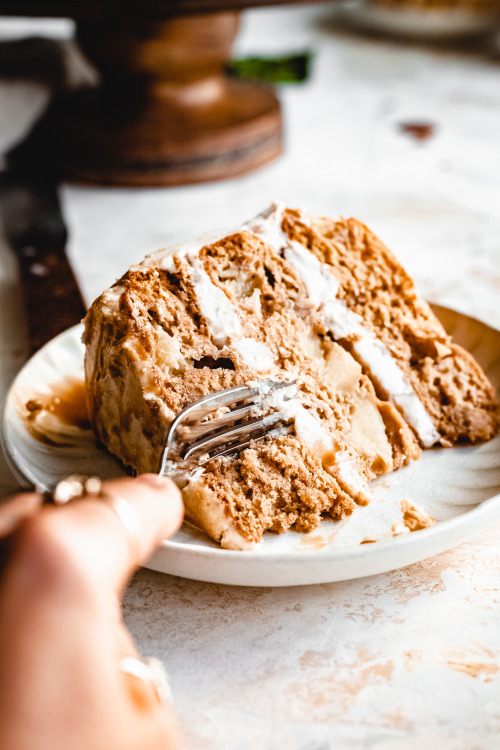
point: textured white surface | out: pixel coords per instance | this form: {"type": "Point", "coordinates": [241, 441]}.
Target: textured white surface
{"type": "Point", "coordinates": [400, 661]}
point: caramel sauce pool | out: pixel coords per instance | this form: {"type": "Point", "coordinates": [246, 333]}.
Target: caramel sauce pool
{"type": "Point", "coordinates": [67, 402]}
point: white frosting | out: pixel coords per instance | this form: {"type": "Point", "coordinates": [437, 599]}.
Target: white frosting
{"type": "Point", "coordinates": [164, 258]}
{"type": "Point", "coordinates": [322, 287]}
{"type": "Point", "coordinates": [307, 426]}
{"type": "Point", "coordinates": [349, 475]}
{"type": "Point", "coordinates": [255, 354]}
{"type": "Point", "coordinates": [272, 397]}
{"type": "Point", "coordinates": [110, 299]}
{"type": "Point", "coordinates": [267, 226]}
{"type": "Point", "coordinates": [160, 403]}
{"type": "Point", "coordinates": [310, 430]}
{"type": "Point", "coordinates": [221, 317]}
{"type": "Point", "coordinates": [386, 371]}
{"type": "Point", "coordinates": [321, 283]}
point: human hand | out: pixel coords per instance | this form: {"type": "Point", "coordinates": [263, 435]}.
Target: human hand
{"type": "Point", "coordinates": [62, 637]}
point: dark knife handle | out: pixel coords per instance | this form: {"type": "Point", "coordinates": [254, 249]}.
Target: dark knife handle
{"type": "Point", "coordinates": [53, 300]}
{"type": "Point", "coordinates": [34, 226]}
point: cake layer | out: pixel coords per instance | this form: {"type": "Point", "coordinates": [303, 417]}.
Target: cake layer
{"type": "Point", "coordinates": [448, 382]}
{"type": "Point", "coordinates": [289, 297]}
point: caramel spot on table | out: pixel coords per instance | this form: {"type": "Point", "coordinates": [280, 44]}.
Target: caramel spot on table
{"type": "Point", "coordinates": [420, 131]}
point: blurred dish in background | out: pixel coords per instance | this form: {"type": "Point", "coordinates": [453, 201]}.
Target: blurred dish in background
{"type": "Point", "coordinates": [431, 20]}
{"type": "Point", "coordinates": [162, 109]}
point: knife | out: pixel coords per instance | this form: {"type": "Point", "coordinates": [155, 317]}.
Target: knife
{"type": "Point", "coordinates": [35, 229]}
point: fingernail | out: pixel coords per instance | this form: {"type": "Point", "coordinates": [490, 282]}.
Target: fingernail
{"type": "Point", "coordinates": [154, 480]}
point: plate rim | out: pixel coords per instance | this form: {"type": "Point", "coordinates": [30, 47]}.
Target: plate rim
{"type": "Point", "coordinates": [348, 552]}
{"type": "Point", "coordinates": [21, 474]}
{"type": "Point", "coordinates": [455, 530]}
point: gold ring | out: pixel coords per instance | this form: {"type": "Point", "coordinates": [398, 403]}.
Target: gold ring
{"type": "Point", "coordinates": [151, 672]}
{"type": "Point", "coordinates": [74, 487]}
{"type": "Point", "coordinates": [78, 486]}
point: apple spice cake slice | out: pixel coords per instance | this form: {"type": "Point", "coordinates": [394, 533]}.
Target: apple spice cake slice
{"type": "Point", "coordinates": [287, 296]}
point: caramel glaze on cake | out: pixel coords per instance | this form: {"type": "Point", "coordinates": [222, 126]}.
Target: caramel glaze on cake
{"type": "Point", "coordinates": [287, 296]}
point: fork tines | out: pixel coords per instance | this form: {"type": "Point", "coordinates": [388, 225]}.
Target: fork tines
{"type": "Point", "coordinates": [225, 422]}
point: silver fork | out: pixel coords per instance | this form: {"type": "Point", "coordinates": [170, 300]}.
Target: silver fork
{"type": "Point", "coordinates": [222, 424]}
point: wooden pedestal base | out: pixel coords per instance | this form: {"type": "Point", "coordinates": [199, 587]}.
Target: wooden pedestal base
{"type": "Point", "coordinates": [165, 112]}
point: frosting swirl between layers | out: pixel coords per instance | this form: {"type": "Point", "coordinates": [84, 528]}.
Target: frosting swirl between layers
{"type": "Point", "coordinates": [225, 329]}
{"type": "Point", "coordinates": [322, 288]}
{"type": "Point", "coordinates": [223, 321]}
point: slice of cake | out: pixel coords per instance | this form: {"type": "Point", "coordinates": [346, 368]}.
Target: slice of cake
{"type": "Point", "coordinates": [287, 296]}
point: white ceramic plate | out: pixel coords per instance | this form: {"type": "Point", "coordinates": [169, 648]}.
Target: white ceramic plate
{"type": "Point", "coordinates": [427, 24]}
{"type": "Point", "coordinates": [460, 487]}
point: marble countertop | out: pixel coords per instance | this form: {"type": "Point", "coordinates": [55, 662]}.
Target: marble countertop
{"type": "Point", "coordinates": [404, 660]}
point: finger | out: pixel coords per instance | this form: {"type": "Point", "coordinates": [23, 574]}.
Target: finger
{"type": "Point", "coordinates": [87, 541]}
{"type": "Point", "coordinates": [114, 535]}
{"type": "Point", "coordinates": [13, 513]}
{"type": "Point", "coordinates": [16, 510]}
{"type": "Point", "coordinates": [156, 507]}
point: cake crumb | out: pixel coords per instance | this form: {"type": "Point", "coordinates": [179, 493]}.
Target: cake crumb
{"type": "Point", "coordinates": [415, 518]}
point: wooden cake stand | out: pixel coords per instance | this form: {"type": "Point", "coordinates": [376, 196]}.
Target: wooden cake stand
{"type": "Point", "coordinates": [165, 112]}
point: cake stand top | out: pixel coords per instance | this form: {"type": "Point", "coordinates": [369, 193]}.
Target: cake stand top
{"type": "Point", "coordinates": [161, 8]}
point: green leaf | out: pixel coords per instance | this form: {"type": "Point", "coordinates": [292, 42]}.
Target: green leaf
{"type": "Point", "coordinates": [290, 69]}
